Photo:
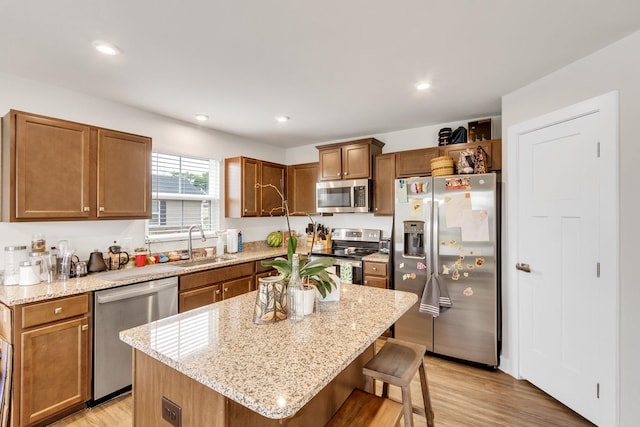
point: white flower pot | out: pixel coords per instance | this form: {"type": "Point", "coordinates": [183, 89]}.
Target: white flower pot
{"type": "Point", "coordinates": [334, 295]}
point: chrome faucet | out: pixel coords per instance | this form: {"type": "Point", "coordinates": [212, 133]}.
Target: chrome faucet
{"type": "Point", "coordinates": [204, 239]}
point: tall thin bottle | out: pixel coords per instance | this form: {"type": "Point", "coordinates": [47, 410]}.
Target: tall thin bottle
{"type": "Point", "coordinates": [295, 291]}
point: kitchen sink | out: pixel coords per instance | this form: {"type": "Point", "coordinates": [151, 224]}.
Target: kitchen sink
{"type": "Point", "coordinates": [205, 261]}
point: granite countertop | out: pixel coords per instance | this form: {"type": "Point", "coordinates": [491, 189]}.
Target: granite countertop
{"type": "Point", "coordinates": [376, 257]}
{"type": "Point", "coordinates": [16, 294]}
{"type": "Point", "coordinates": [272, 369]}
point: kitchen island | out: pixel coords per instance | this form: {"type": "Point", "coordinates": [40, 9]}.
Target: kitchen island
{"type": "Point", "coordinates": [222, 369]}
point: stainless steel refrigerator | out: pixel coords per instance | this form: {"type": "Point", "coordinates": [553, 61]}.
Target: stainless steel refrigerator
{"type": "Point", "coordinates": [449, 226]}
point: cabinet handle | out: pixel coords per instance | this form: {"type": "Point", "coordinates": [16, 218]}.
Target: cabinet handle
{"type": "Point", "coordinates": [57, 310]}
{"type": "Point", "coordinates": [101, 209]}
{"type": "Point", "coordinates": [86, 209]}
{"type": "Point", "coordinates": [226, 289]}
{"type": "Point", "coordinates": [85, 327]}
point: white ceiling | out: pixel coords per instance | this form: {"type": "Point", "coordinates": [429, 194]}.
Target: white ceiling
{"type": "Point", "coordinates": [339, 68]}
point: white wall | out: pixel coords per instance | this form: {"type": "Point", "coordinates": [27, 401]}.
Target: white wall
{"type": "Point", "coordinates": [612, 68]}
{"type": "Point", "coordinates": [176, 137]}
{"type": "Point", "coordinates": [170, 136]}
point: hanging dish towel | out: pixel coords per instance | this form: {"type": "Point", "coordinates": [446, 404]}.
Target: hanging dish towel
{"type": "Point", "coordinates": [435, 297]}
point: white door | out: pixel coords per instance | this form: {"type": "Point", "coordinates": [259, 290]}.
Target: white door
{"type": "Point", "coordinates": [565, 307]}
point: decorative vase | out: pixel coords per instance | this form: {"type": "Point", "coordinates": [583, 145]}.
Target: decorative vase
{"type": "Point", "coordinates": [271, 300]}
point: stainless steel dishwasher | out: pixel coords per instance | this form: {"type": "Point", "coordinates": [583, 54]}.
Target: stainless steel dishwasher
{"type": "Point", "coordinates": [118, 309]}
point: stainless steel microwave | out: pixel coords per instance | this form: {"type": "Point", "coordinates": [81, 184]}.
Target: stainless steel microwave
{"type": "Point", "coordinates": [348, 195]}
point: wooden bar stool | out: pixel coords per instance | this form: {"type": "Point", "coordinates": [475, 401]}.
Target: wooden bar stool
{"type": "Point", "coordinates": [362, 409]}
{"type": "Point", "coordinates": [396, 364]}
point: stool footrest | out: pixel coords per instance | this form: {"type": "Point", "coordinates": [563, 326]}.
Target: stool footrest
{"type": "Point", "coordinates": [362, 409]}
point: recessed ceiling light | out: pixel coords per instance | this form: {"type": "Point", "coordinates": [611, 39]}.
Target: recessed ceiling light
{"type": "Point", "coordinates": [202, 117]}
{"type": "Point", "coordinates": [106, 48]}
{"type": "Point", "coordinates": [423, 86]}
{"type": "Point", "coordinates": [283, 119]}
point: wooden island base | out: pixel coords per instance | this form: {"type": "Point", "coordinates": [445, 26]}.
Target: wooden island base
{"type": "Point", "coordinates": [202, 406]}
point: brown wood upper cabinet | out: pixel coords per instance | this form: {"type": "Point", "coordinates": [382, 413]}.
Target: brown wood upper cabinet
{"type": "Point", "coordinates": [301, 188]}
{"type": "Point", "coordinates": [415, 162]}
{"type": "Point", "coordinates": [242, 198]}
{"type": "Point", "coordinates": [383, 184]}
{"type": "Point", "coordinates": [60, 170]}
{"type": "Point", "coordinates": [348, 160]}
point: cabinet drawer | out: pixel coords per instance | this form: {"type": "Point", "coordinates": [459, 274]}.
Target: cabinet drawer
{"type": "Point", "coordinates": [237, 287]}
{"type": "Point", "coordinates": [375, 268]}
{"type": "Point", "coordinates": [377, 282]}
{"type": "Point", "coordinates": [51, 311]}
{"type": "Point", "coordinates": [215, 275]}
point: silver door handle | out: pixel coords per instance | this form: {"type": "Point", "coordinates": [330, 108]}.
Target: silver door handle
{"type": "Point", "coordinates": [135, 290]}
{"type": "Point", "coordinates": [523, 267]}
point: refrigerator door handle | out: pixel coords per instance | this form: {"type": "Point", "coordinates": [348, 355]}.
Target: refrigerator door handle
{"type": "Point", "coordinates": [435, 247]}
{"type": "Point", "coordinates": [523, 267]}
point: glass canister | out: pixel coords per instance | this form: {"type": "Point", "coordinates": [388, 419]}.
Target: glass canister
{"type": "Point", "coordinates": [13, 257]}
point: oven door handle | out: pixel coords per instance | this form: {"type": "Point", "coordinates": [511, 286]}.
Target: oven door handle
{"type": "Point", "coordinates": [354, 263]}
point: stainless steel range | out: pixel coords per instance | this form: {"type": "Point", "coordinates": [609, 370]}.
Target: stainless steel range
{"type": "Point", "coordinates": [350, 245]}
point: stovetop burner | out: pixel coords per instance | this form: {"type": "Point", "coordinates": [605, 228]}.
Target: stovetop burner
{"type": "Point", "coordinates": [352, 243]}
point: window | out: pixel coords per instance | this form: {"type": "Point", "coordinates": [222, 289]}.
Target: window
{"type": "Point", "coordinates": [185, 191]}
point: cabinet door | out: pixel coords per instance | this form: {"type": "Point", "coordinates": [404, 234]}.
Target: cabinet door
{"type": "Point", "coordinates": [301, 188]}
{"type": "Point", "coordinates": [55, 370]}
{"type": "Point", "coordinates": [330, 163]}
{"type": "Point", "coordinates": [250, 194]}
{"type": "Point", "coordinates": [237, 287]}
{"type": "Point", "coordinates": [356, 161]}
{"type": "Point", "coordinates": [271, 202]}
{"type": "Point", "coordinates": [199, 297]}
{"type": "Point", "coordinates": [52, 169]}
{"type": "Point", "coordinates": [383, 184]}
{"type": "Point", "coordinates": [415, 162]}
{"type": "Point", "coordinates": [124, 175]}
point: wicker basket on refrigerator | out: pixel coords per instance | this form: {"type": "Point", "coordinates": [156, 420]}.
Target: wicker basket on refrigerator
{"type": "Point", "coordinates": [441, 166]}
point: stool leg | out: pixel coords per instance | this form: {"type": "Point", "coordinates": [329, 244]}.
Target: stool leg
{"type": "Point", "coordinates": [426, 397]}
{"type": "Point", "coordinates": [407, 412]}
{"type": "Point", "coordinates": [369, 384]}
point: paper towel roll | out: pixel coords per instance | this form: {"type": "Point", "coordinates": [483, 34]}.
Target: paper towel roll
{"type": "Point", "coordinates": [232, 240]}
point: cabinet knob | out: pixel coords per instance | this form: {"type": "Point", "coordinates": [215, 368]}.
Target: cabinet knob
{"type": "Point", "coordinates": [85, 327]}
{"type": "Point", "coordinates": [338, 174]}
{"type": "Point", "coordinates": [57, 310]}
{"type": "Point", "coordinates": [226, 289]}
{"type": "Point", "coordinates": [376, 208]}
{"type": "Point", "coordinates": [365, 282]}
{"type": "Point", "coordinates": [101, 209]}
{"type": "Point", "coordinates": [245, 209]}
{"type": "Point", "coordinates": [217, 291]}
{"type": "Point", "coordinates": [345, 174]}
{"type": "Point", "coordinates": [86, 209]}
{"type": "Point", "coordinates": [374, 268]}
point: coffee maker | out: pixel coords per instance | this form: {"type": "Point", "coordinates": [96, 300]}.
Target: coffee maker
{"type": "Point", "coordinates": [117, 257]}
{"type": "Point", "coordinates": [414, 239]}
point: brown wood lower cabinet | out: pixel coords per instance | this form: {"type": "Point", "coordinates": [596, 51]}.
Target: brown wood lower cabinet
{"type": "Point", "coordinates": [375, 274]}
{"type": "Point", "coordinates": [209, 286]}
{"type": "Point", "coordinates": [52, 358]}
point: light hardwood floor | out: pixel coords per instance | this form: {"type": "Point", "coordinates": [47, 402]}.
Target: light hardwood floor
{"type": "Point", "coordinates": [461, 395]}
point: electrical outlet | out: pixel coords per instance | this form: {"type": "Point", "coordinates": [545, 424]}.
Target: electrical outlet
{"type": "Point", "coordinates": [171, 412]}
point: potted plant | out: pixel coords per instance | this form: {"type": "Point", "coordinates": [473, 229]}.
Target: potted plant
{"type": "Point", "coordinates": [312, 271]}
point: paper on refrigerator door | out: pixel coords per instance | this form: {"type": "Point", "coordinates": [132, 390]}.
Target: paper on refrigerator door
{"type": "Point", "coordinates": [455, 205]}
{"type": "Point", "coordinates": [475, 226]}
{"type": "Point", "coordinates": [401, 191]}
